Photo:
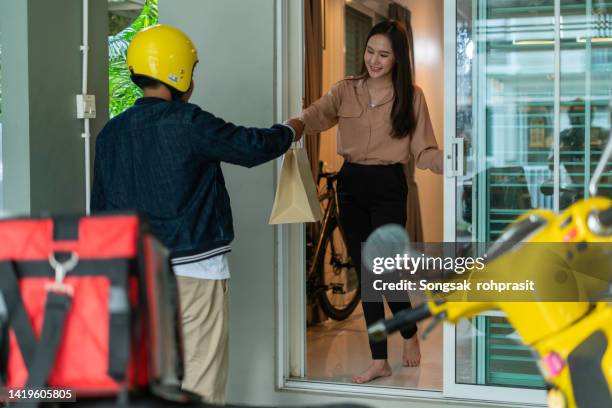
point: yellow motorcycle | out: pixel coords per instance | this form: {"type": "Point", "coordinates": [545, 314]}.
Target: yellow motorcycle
{"type": "Point", "coordinates": [572, 333]}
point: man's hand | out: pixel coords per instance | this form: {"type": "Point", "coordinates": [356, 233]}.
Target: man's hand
{"type": "Point", "coordinates": [297, 125]}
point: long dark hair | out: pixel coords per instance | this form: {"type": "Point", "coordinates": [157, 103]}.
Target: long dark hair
{"type": "Point", "coordinates": [403, 118]}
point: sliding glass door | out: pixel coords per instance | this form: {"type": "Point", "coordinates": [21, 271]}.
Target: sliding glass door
{"type": "Point", "coordinates": [532, 82]}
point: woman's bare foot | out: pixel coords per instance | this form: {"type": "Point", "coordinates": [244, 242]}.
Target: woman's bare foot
{"type": "Point", "coordinates": [411, 357]}
{"type": "Point", "coordinates": [378, 368]}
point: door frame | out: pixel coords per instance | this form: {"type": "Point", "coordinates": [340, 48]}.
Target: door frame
{"type": "Point", "coordinates": [290, 240]}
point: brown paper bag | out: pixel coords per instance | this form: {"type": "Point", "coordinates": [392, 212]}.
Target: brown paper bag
{"type": "Point", "coordinates": [296, 198]}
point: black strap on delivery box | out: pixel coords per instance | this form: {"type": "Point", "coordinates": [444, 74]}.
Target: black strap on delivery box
{"type": "Point", "coordinates": [39, 356]}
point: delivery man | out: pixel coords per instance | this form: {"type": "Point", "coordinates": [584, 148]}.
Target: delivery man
{"type": "Point", "coordinates": [163, 157]}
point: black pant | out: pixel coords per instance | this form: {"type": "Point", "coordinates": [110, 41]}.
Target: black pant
{"type": "Point", "coordinates": [370, 196]}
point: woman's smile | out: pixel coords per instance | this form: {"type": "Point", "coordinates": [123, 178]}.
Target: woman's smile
{"type": "Point", "coordinates": [379, 57]}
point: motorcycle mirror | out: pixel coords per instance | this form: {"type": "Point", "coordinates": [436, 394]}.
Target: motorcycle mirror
{"type": "Point", "coordinates": [386, 242]}
{"type": "Point", "coordinates": [601, 166]}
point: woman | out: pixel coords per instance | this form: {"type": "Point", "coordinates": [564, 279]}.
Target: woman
{"type": "Point", "coordinates": [383, 121]}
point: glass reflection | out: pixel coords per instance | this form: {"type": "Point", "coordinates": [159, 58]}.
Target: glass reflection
{"type": "Point", "coordinates": [506, 115]}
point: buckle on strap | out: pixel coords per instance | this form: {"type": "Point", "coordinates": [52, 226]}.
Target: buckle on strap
{"type": "Point", "coordinates": [61, 269]}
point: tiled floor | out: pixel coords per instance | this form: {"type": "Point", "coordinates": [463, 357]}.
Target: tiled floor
{"type": "Point", "coordinates": [338, 350]}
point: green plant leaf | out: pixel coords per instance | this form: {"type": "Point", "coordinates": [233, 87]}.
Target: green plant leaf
{"type": "Point", "coordinates": [122, 92]}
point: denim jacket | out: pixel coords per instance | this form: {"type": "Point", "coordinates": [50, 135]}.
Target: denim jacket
{"type": "Point", "coordinates": [163, 159]}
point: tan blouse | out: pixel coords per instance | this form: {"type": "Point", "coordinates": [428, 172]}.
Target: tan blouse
{"type": "Point", "coordinates": [364, 132]}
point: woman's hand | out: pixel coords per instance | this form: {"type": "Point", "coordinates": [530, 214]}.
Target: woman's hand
{"type": "Point", "coordinates": [298, 125]}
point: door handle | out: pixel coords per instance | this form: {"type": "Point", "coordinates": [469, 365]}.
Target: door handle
{"type": "Point", "coordinates": [454, 158]}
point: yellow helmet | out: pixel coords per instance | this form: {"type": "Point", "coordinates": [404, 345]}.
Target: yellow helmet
{"type": "Point", "coordinates": [164, 53]}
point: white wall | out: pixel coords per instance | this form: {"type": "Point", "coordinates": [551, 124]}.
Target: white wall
{"type": "Point", "coordinates": [235, 80]}
{"type": "Point", "coordinates": [43, 151]}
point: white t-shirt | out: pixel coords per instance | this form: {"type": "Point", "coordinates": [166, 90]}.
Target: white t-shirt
{"type": "Point", "coordinates": [215, 268]}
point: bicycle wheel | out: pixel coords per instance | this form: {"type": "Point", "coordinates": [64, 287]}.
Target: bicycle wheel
{"type": "Point", "coordinates": [339, 276]}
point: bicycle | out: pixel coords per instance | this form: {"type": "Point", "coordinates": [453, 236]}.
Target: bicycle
{"type": "Point", "coordinates": [332, 281]}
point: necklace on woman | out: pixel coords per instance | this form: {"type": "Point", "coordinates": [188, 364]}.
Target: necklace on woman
{"type": "Point", "coordinates": [372, 104]}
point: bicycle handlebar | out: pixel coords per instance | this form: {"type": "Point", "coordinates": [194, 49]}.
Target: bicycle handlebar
{"type": "Point", "coordinates": [381, 329]}
{"type": "Point", "coordinates": [330, 176]}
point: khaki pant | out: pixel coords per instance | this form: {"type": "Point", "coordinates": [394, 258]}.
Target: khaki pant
{"type": "Point", "coordinates": [204, 308]}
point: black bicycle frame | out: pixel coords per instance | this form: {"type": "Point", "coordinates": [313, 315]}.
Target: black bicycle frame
{"type": "Point", "coordinates": [331, 210]}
